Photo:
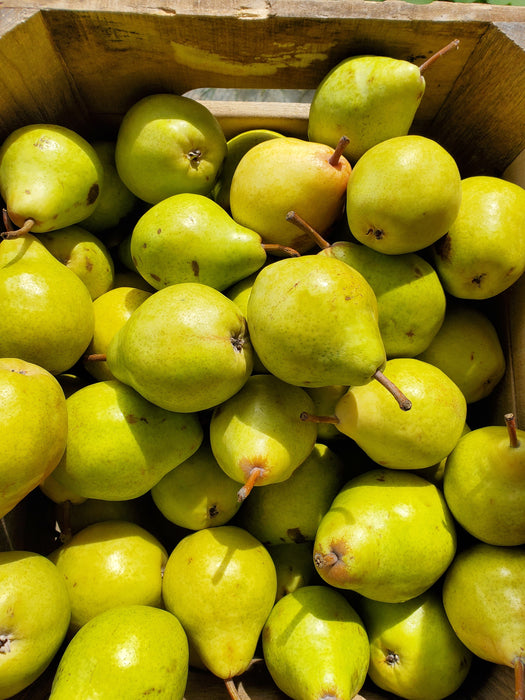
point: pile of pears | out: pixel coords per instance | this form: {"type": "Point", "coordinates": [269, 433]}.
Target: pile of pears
{"type": "Point", "coordinates": [246, 376]}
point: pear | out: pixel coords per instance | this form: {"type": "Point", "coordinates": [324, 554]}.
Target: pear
{"type": "Point", "coordinates": [416, 439]}
{"type": "Point", "coordinates": [370, 99]}
{"type": "Point", "coordinates": [483, 251]}
{"type": "Point", "coordinates": [315, 645]}
{"type": "Point", "coordinates": [257, 436]}
{"type": "Point", "coordinates": [325, 399]}
{"type": "Point", "coordinates": [33, 431]}
{"type": "Point", "coordinates": [34, 618]}
{"type": "Point", "coordinates": [239, 293]}
{"type": "Point", "coordinates": [197, 493]}
{"type": "Point", "coordinates": [131, 278]}
{"type": "Point", "coordinates": [111, 311]}
{"type": "Point", "coordinates": [167, 144]}
{"type": "Point", "coordinates": [468, 349]}
{"type": "Point", "coordinates": [108, 564]}
{"type": "Point", "coordinates": [414, 652]}
{"type": "Point", "coordinates": [483, 596]}
{"type": "Point", "coordinates": [484, 483]}
{"type": "Point", "coordinates": [301, 500]}
{"type": "Point", "coordinates": [388, 536]}
{"type": "Point", "coordinates": [95, 510]}
{"type": "Point", "coordinates": [40, 324]}
{"type": "Point", "coordinates": [287, 173]}
{"type": "Point", "coordinates": [237, 146]}
{"type": "Point", "coordinates": [115, 202]}
{"type": "Point", "coordinates": [294, 566]}
{"type": "Point", "coordinates": [221, 583]}
{"type": "Point", "coordinates": [185, 349]}
{"type": "Point", "coordinates": [190, 238]}
{"type": "Point", "coordinates": [50, 177]}
{"type": "Point", "coordinates": [85, 254]}
{"type": "Point", "coordinates": [403, 195]}
{"type": "Point", "coordinates": [313, 323]}
{"type": "Point", "coordinates": [54, 490]}
{"type": "Point", "coordinates": [110, 659]}
{"type": "Point", "coordinates": [411, 301]}
{"type": "Point", "coordinates": [119, 445]}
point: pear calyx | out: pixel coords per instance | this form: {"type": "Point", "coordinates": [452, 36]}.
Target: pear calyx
{"type": "Point", "coordinates": [5, 643]}
{"type": "Point", "coordinates": [338, 150]}
{"type": "Point", "coordinates": [511, 428]}
{"type": "Point", "coordinates": [323, 561]}
{"type": "Point", "coordinates": [452, 45]}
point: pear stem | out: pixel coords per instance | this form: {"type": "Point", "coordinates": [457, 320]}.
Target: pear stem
{"type": "Point", "coordinates": [338, 150]}
{"type": "Point", "coordinates": [278, 248]}
{"type": "Point", "coordinates": [404, 403]}
{"type": "Point", "coordinates": [453, 45]}
{"type": "Point", "coordinates": [511, 428]}
{"type": "Point", "coordinates": [294, 218]}
{"type": "Point", "coordinates": [519, 678]}
{"type": "Point", "coordinates": [232, 690]}
{"type": "Point", "coordinates": [255, 473]}
{"type": "Point", "coordinates": [16, 233]}
{"type": "Point", "coordinates": [64, 522]}
{"type": "Point", "coordinates": [95, 357]}
{"type": "Point", "coordinates": [311, 418]}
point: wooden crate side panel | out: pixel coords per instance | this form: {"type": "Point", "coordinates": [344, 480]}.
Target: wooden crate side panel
{"type": "Point", "coordinates": [483, 117]}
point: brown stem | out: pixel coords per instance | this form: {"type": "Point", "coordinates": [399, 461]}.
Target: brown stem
{"type": "Point", "coordinates": [232, 690]}
{"type": "Point", "coordinates": [338, 151]}
{"type": "Point", "coordinates": [404, 403]}
{"type": "Point", "coordinates": [277, 247]}
{"type": "Point", "coordinates": [64, 521]}
{"type": "Point", "coordinates": [294, 218]}
{"type": "Point", "coordinates": [16, 233]}
{"type": "Point", "coordinates": [95, 357]}
{"type": "Point", "coordinates": [244, 492]}
{"type": "Point", "coordinates": [453, 45]}
{"type": "Point", "coordinates": [8, 225]}
{"type": "Point", "coordinates": [310, 418]}
{"type": "Point", "coordinates": [519, 678]}
{"type": "Point", "coordinates": [511, 429]}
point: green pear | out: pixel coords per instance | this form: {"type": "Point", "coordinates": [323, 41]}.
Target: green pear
{"type": "Point", "coordinates": [436, 472]}
{"type": "Point", "coordinates": [54, 490]}
{"type": "Point", "coordinates": [131, 278]}
{"type": "Point", "coordinates": [109, 564]}
{"type": "Point", "coordinates": [468, 349]}
{"type": "Point", "coordinates": [415, 439]}
{"type": "Point", "coordinates": [301, 500]}
{"type": "Point", "coordinates": [257, 435]}
{"type": "Point", "coordinates": [220, 582]}
{"type": "Point", "coordinates": [49, 174]}
{"type": "Point", "coordinates": [483, 596]}
{"type": "Point", "coordinates": [484, 483]}
{"type": "Point", "coordinates": [95, 510]}
{"type": "Point", "coordinates": [294, 566]}
{"type": "Point", "coordinates": [285, 174]}
{"type": "Point", "coordinates": [111, 311]}
{"type": "Point", "coordinates": [403, 195]}
{"type": "Point", "coordinates": [185, 349]}
{"type": "Point", "coordinates": [119, 445]}
{"type": "Point", "coordinates": [483, 251]}
{"type": "Point", "coordinates": [388, 536]}
{"type": "Point", "coordinates": [315, 645]}
{"type": "Point", "coordinates": [313, 322]}
{"type": "Point", "coordinates": [34, 618]}
{"type": "Point", "coordinates": [197, 493]}
{"type": "Point", "coordinates": [369, 99]}
{"type": "Point", "coordinates": [85, 254]}
{"type": "Point", "coordinates": [167, 144]}
{"type": "Point", "coordinates": [237, 146]}
{"type": "Point", "coordinates": [411, 301]}
{"type": "Point", "coordinates": [190, 238]}
{"type": "Point", "coordinates": [414, 652]}
{"type": "Point", "coordinates": [40, 324]}
{"type": "Point", "coordinates": [33, 431]}
{"type": "Point", "coordinates": [129, 651]}
{"type": "Point", "coordinates": [115, 202]}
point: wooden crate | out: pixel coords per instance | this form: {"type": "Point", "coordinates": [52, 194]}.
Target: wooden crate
{"type": "Point", "coordinates": [83, 64]}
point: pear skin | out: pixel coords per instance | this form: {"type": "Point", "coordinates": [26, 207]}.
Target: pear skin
{"type": "Point", "coordinates": [221, 584]}
{"type": "Point", "coordinates": [315, 645]}
{"type": "Point", "coordinates": [40, 324]}
{"type": "Point", "coordinates": [294, 566]}
{"type": "Point", "coordinates": [35, 163]}
{"type": "Point", "coordinates": [388, 536]}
